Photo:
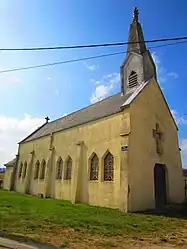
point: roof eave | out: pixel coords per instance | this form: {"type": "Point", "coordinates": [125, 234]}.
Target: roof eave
{"type": "Point", "coordinates": [120, 110]}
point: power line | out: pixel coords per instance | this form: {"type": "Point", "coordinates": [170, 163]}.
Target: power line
{"type": "Point", "coordinates": [80, 59]}
{"type": "Point", "coordinates": [168, 44]}
{"type": "Point", "coordinates": [93, 45]}
{"type": "Point", "coordinates": [60, 62]}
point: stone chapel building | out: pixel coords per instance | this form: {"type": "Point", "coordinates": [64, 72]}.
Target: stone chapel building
{"type": "Point", "coordinates": [121, 152]}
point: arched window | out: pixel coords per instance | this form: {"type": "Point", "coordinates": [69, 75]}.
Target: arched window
{"type": "Point", "coordinates": [25, 170]}
{"type": "Point", "coordinates": [37, 169]}
{"type": "Point", "coordinates": [68, 168]}
{"type": "Point", "coordinates": [59, 168]}
{"type": "Point", "coordinates": [109, 167]}
{"type": "Point", "coordinates": [43, 167]}
{"type": "Point", "coordinates": [94, 167]}
{"type": "Point", "coordinates": [20, 169]}
{"type": "Point", "coordinates": [133, 79]}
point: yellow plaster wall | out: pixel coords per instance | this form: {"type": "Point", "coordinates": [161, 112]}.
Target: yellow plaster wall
{"type": "Point", "coordinates": [41, 148]}
{"type": "Point", "coordinates": [7, 178]}
{"type": "Point", "coordinates": [146, 110]}
{"type": "Point", "coordinates": [98, 136]}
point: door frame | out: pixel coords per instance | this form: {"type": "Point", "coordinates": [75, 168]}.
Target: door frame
{"type": "Point", "coordinates": [166, 182]}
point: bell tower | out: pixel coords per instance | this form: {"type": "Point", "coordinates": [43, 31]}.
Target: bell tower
{"type": "Point", "coordinates": [138, 66]}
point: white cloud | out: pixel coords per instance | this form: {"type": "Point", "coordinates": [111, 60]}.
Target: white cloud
{"type": "Point", "coordinates": [14, 79]}
{"type": "Point", "coordinates": [100, 93]}
{"type": "Point", "coordinates": [180, 120]}
{"type": "Point", "coordinates": [9, 79]}
{"type": "Point", "coordinates": [49, 78]}
{"type": "Point", "coordinates": [92, 67]}
{"type": "Point", "coordinates": [65, 114]}
{"type": "Point", "coordinates": [172, 75]}
{"type": "Point", "coordinates": [104, 87]}
{"type": "Point", "coordinates": [162, 73]}
{"type": "Point", "coordinates": [12, 131]}
{"type": "Point", "coordinates": [156, 59]}
{"type": "Point", "coordinates": [183, 146]}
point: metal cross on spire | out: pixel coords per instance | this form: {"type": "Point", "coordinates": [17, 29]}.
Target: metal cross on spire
{"type": "Point", "coordinates": [135, 14]}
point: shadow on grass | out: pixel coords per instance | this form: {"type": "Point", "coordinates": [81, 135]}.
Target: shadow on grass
{"type": "Point", "coordinates": [25, 240]}
{"type": "Point", "coordinates": [173, 211]}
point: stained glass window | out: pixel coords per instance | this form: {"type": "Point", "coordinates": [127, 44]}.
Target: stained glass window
{"type": "Point", "coordinates": [25, 170]}
{"type": "Point", "coordinates": [94, 168]}
{"type": "Point", "coordinates": [43, 167]}
{"type": "Point", "coordinates": [68, 168]}
{"type": "Point", "coordinates": [37, 169]}
{"type": "Point", "coordinates": [59, 169]}
{"type": "Point", "coordinates": [109, 167]}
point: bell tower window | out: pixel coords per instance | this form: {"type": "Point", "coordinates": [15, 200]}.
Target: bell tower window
{"type": "Point", "coordinates": [133, 79]}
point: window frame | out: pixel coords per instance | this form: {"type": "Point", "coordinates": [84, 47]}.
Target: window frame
{"type": "Point", "coordinates": [59, 169]}
{"type": "Point", "coordinates": [107, 178]}
{"type": "Point", "coordinates": [37, 170]}
{"type": "Point", "coordinates": [93, 157]}
{"type": "Point", "coordinates": [67, 175]}
{"type": "Point", "coordinates": [24, 170]}
{"type": "Point", "coordinates": [20, 170]}
{"type": "Point", "coordinates": [42, 170]}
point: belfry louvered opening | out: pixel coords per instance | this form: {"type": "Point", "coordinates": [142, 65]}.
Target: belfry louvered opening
{"type": "Point", "coordinates": [133, 79]}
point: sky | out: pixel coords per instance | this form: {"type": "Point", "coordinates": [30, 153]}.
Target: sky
{"type": "Point", "coordinates": [27, 97]}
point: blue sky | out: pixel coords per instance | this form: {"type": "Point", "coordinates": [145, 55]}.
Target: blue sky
{"type": "Point", "coordinates": [28, 96]}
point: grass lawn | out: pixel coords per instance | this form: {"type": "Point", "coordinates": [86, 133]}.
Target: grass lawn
{"type": "Point", "coordinates": [60, 222]}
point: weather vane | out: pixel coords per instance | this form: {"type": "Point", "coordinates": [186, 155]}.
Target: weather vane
{"type": "Point", "coordinates": [135, 14]}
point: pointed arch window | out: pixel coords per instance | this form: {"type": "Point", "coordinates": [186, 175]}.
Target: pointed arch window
{"type": "Point", "coordinates": [94, 167]}
{"type": "Point", "coordinates": [68, 169]}
{"type": "Point", "coordinates": [25, 170]}
{"type": "Point", "coordinates": [109, 167]}
{"type": "Point", "coordinates": [59, 169]}
{"type": "Point", "coordinates": [133, 79]}
{"type": "Point", "coordinates": [20, 169]}
{"type": "Point", "coordinates": [43, 167]}
{"type": "Point", "coordinates": [37, 169]}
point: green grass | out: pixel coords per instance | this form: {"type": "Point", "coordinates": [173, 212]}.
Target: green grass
{"type": "Point", "coordinates": [23, 214]}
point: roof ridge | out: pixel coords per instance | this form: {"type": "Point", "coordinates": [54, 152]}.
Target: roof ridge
{"type": "Point", "coordinates": [105, 107]}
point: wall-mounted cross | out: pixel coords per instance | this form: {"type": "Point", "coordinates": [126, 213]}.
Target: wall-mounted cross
{"type": "Point", "coordinates": [157, 134]}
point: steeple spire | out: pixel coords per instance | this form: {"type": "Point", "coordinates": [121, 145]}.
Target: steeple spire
{"type": "Point", "coordinates": [135, 14]}
{"type": "Point", "coordinates": [136, 38]}
{"type": "Point", "coordinates": [138, 66]}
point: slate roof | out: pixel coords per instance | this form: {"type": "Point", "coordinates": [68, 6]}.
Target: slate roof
{"type": "Point", "coordinates": [11, 163]}
{"type": "Point", "coordinates": [103, 108]}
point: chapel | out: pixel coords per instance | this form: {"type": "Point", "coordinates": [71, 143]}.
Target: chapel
{"type": "Point", "coordinates": [121, 152]}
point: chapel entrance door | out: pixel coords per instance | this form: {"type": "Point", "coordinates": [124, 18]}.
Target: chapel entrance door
{"type": "Point", "coordinates": [160, 185]}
